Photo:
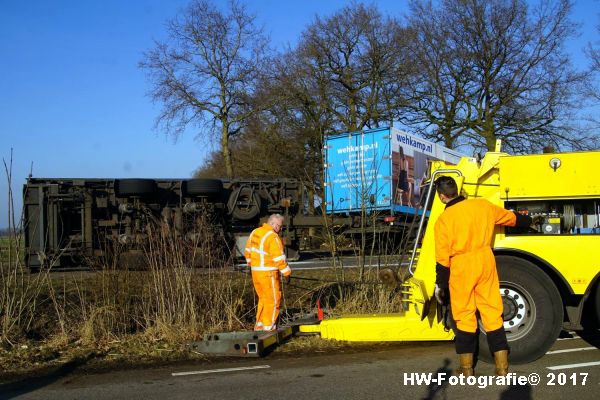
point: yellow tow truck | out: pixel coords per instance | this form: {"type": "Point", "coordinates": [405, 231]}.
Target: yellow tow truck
{"type": "Point", "coordinates": [549, 274]}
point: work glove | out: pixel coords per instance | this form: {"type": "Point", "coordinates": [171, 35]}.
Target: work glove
{"type": "Point", "coordinates": [286, 279]}
{"type": "Point", "coordinates": [441, 295]}
{"type": "Point", "coordinates": [523, 221]}
{"type": "Point", "coordinates": [442, 279]}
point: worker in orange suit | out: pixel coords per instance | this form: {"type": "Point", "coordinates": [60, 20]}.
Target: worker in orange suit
{"type": "Point", "coordinates": [466, 271]}
{"type": "Point", "coordinates": [265, 255]}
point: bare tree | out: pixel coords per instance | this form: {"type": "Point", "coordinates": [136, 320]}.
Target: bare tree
{"type": "Point", "coordinates": [260, 151]}
{"type": "Point", "coordinates": [206, 72]}
{"type": "Point", "coordinates": [305, 115]}
{"type": "Point", "coordinates": [356, 53]}
{"type": "Point", "coordinates": [592, 91]}
{"type": "Point", "coordinates": [343, 76]}
{"type": "Point", "coordinates": [593, 53]}
{"type": "Point", "coordinates": [276, 141]}
{"type": "Point", "coordinates": [436, 89]}
{"type": "Point", "coordinates": [495, 69]}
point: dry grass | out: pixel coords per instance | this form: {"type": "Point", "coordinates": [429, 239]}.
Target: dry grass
{"type": "Point", "coordinates": [123, 316]}
{"type": "Point", "coordinates": [311, 344]}
{"type": "Point", "coordinates": [19, 292]}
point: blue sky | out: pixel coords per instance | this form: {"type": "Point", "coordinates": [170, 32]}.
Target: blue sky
{"type": "Point", "coordinates": [73, 100]}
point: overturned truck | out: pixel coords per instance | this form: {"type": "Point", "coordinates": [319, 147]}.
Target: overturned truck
{"type": "Point", "coordinates": [69, 223]}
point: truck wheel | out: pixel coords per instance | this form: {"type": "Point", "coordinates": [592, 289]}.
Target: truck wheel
{"type": "Point", "coordinates": [134, 187]}
{"type": "Point", "coordinates": [203, 187]}
{"type": "Point", "coordinates": [244, 203]}
{"type": "Point", "coordinates": [533, 311]}
{"type": "Point", "coordinates": [591, 310]}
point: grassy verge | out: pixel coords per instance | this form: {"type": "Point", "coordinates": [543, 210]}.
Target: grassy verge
{"type": "Point", "coordinates": [119, 317]}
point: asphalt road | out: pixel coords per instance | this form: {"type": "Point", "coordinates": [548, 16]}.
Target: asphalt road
{"type": "Point", "coordinates": [570, 370]}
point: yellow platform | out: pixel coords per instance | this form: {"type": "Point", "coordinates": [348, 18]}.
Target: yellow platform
{"type": "Point", "coordinates": [380, 328]}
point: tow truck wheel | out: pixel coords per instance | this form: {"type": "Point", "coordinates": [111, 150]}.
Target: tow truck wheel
{"type": "Point", "coordinates": [533, 311]}
{"type": "Point", "coordinates": [591, 309]}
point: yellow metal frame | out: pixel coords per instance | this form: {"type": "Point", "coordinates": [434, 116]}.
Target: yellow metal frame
{"type": "Point", "coordinates": [381, 328]}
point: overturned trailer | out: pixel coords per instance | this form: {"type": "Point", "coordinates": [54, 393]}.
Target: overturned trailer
{"type": "Point", "coordinates": [73, 222]}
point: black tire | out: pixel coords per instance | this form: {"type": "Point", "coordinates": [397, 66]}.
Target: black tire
{"type": "Point", "coordinates": [134, 187]}
{"type": "Point", "coordinates": [203, 187]}
{"type": "Point", "coordinates": [590, 319]}
{"type": "Point", "coordinates": [244, 203]}
{"type": "Point", "coordinates": [524, 287]}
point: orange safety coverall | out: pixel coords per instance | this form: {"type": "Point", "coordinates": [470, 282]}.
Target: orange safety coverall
{"type": "Point", "coordinates": [265, 254]}
{"type": "Point", "coordinates": [463, 237]}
